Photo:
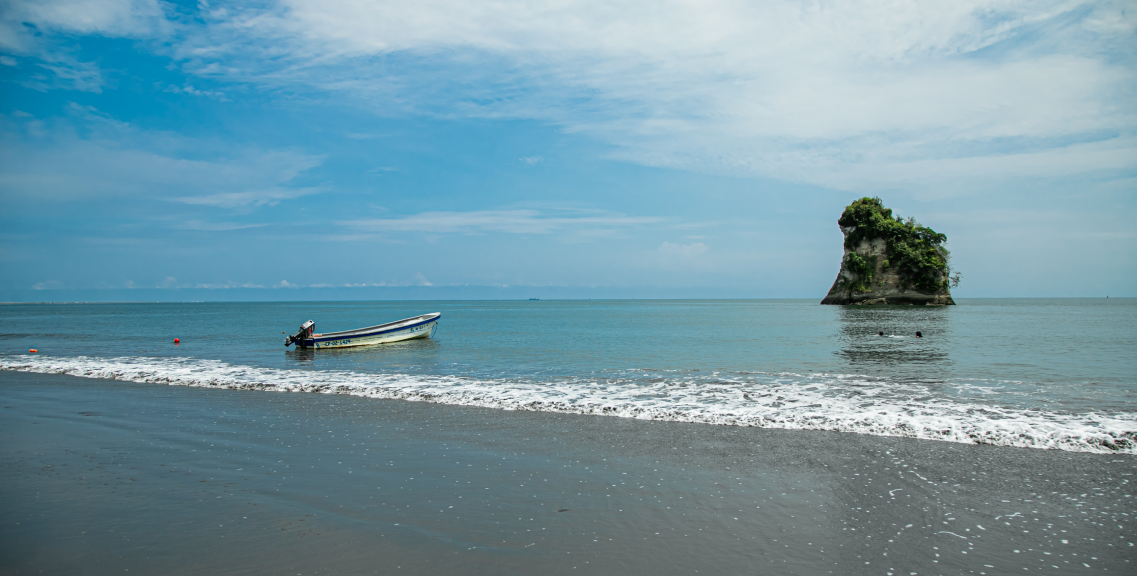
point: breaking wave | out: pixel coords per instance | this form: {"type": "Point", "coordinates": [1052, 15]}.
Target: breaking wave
{"type": "Point", "coordinates": [834, 402]}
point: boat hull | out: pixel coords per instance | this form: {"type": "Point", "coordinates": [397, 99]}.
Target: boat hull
{"type": "Point", "coordinates": [379, 335]}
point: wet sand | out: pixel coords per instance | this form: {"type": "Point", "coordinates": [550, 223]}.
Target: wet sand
{"type": "Point", "coordinates": [102, 477]}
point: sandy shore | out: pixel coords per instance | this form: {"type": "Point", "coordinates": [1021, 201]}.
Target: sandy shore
{"type": "Point", "coordinates": [106, 477]}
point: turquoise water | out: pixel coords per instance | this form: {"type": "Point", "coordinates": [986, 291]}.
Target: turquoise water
{"type": "Point", "coordinates": [1058, 373]}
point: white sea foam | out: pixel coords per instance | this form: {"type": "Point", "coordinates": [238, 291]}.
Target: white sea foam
{"type": "Point", "coordinates": [803, 402]}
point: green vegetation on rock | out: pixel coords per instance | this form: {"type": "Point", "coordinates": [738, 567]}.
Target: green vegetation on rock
{"type": "Point", "coordinates": [864, 268]}
{"type": "Point", "coordinates": [916, 253]}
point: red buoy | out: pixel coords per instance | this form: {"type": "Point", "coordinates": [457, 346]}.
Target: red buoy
{"type": "Point", "coordinates": [33, 350]}
{"type": "Point", "coordinates": [176, 341]}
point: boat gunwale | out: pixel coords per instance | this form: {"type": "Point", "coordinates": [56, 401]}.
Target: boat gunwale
{"type": "Point", "coordinates": [374, 330]}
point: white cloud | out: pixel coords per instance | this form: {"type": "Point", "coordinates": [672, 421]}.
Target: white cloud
{"type": "Point", "coordinates": [852, 94]}
{"type": "Point", "coordinates": [47, 285]}
{"type": "Point", "coordinates": [189, 89]}
{"type": "Point", "coordinates": [683, 250]}
{"type": "Point", "coordinates": [228, 285]}
{"type": "Point", "coordinates": [508, 221]}
{"type": "Point", "coordinates": [268, 197]}
{"type": "Point", "coordinates": [67, 73]}
{"type": "Point", "coordinates": [531, 160]}
{"type": "Point", "coordinates": [115, 159]}
{"type": "Point", "coordinates": [115, 18]}
{"type": "Point", "coordinates": [45, 30]}
{"type": "Point", "coordinates": [214, 226]}
{"type": "Point", "coordinates": [840, 93]}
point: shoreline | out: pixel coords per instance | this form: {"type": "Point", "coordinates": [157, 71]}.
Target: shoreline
{"type": "Point", "coordinates": [105, 475]}
{"type": "Point", "coordinates": [767, 406]}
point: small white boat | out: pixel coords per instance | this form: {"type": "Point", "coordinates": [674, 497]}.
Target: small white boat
{"type": "Point", "coordinates": [408, 329]}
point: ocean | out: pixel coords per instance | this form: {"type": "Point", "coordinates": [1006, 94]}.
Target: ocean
{"type": "Point", "coordinates": [556, 437]}
{"type": "Point", "coordinates": [1039, 373]}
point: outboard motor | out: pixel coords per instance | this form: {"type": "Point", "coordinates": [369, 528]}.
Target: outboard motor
{"type": "Point", "coordinates": [305, 332]}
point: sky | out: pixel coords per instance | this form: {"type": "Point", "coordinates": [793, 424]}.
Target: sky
{"type": "Point", "coordinates": [568, 149]}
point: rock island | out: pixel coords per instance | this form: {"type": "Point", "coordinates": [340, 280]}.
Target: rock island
{"type": "Point", "coordinates": [889, 260]}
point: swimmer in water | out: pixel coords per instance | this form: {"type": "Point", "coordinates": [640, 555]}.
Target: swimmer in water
{"type": "Point", "coordinates": [919, 335]}
{"type": "Point", "coordinates": [880, 333]}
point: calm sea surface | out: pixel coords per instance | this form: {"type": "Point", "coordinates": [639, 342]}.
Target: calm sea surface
{"type": "Point", "coordinates": [1058, 373]}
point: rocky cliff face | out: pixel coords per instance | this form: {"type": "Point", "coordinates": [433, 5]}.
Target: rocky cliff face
{"type": "Point", "coordinates": [910, 269]}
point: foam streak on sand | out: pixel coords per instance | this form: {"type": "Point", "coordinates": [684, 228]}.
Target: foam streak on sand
{"type": "Point", "coordinates": [815, 402]}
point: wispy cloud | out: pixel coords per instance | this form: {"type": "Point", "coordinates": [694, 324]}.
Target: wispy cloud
{"type": "Point", "coordinates": [683, 250]}
{"type": "Point", "coordinates": [268, 197]}
{"type": "Point", "coordinates": [69, 74]}
{"type": "Point", "coordinates": [693, 256]}
{"type": "Point", "coordinates": [1027, 103]}
{"type": "Point", "coordinates": [45, 31]}
{"type": "Point", "coordinates": [839, 94]}
{"type": "Point", "coordinates": [508, 221]}
{"type": "Point", "coordinates": [215, 226]}
{"type": "Point", "coordinates": [189, 89]}
{"type": "Point", "coordinates": [850, 94]}
{"type": "Point", "coordinates": [113, 18]}
{"type": "Point", "coordinates": [228, 285]}
{"type": "Point", "coordinates": [90, 154]}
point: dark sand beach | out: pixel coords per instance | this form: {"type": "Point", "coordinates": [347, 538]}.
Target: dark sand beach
{"type": "Point", "coordinates": [108, 477]}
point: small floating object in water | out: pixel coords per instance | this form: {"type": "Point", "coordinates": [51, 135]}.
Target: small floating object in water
{"type": "Point", "coordinates": [919, 335]}
{"type": "Point", "coordinates": [176, 341]}
{"type": "Point", "coordinates": [33, 351]}
{"type": "Point", "coordinates": [880, 333]}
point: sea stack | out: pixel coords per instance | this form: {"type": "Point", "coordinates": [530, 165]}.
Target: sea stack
{"type": "Point", "coordinates": [889, 260]}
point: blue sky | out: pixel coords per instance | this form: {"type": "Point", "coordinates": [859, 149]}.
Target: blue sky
{"type": "Point", "coordinates": [570, 148]}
